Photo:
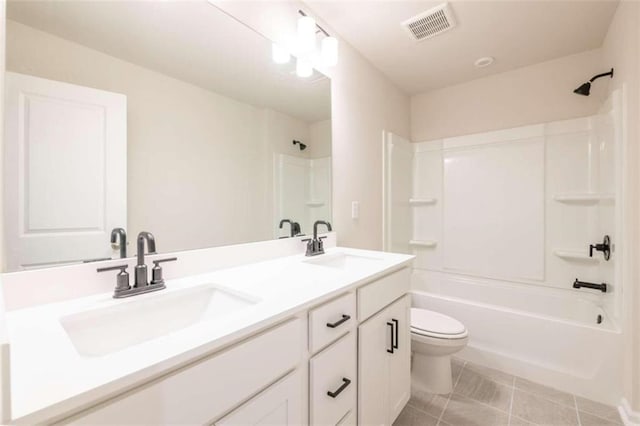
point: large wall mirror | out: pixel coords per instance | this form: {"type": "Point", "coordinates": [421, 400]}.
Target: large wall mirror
{"type": "Point", "coordinates": [168, 117]}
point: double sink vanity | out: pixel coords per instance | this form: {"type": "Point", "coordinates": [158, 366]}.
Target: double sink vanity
{"type": "Point", "coordinates": [288, 340]}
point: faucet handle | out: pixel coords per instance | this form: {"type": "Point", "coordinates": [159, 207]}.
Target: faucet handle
{"type": "Point", "coordinates": [156, 271]}
{"type": "Point", "coordinates": [168, 259]}
{"type": "Point", "coordinates": [122, 268]}
{"type": "Point", "coordinates": [122, 279]}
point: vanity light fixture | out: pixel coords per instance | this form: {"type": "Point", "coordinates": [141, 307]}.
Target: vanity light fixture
{"type": "Point", "coordinates": [304, 68]}
{"type": "Point", "coordinates": [306, 34]}
{"type": "Point", "coordinates": [279, 54]}
{"type": "Point", "coordinates": [306, 47]}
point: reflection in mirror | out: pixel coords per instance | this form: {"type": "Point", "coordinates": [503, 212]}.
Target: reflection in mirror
{"type": "Point", "coordinates": [168, 117]}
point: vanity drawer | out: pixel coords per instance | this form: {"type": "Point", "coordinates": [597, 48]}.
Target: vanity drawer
{"type": "Point", "coordinates": [333, 370]}
{"type": "Point", "coordinates": [201, 392]}
{"type": "Point", "coordinates": [330, 321]}
{"type": "Point", "coordinates": [380, 293]}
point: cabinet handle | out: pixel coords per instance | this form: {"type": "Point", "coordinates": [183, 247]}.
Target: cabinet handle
{"type": "Point", "coordinates": [344, 319]}
{"type": "Point", "coordinates": [395, 344]}
{"type": "Point", "coordinates": [345, 382]}
{"type": "Point", "coordinates": [390, 324]}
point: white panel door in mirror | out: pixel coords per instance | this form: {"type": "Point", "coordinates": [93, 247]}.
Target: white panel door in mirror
{"type": "Point", "coordinates": [65, 171]}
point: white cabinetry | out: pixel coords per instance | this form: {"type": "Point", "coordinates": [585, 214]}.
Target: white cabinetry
{"type": "Point", "coordinates": [384, 377]}
{"type": "Point", "coordinates": [331, 320]}
{"type": "Point", "coordinates": [280, 404]}
{"type": "Point", "coordinates": [333, 382]}
{"type": "Point", "coordinates": [205, 390]}
{"type": "Point", "coordinates": [356, 374]}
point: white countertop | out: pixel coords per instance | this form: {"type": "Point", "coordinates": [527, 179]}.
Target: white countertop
{"type": "Point", "coordinates": [49, 378]}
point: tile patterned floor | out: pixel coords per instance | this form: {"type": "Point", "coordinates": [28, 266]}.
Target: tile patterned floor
{"type": "Point", "coordinates": [485, 397]}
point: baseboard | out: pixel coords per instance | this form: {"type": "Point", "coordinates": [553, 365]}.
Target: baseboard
{"type": "Point", "coordinates": [628, 416]}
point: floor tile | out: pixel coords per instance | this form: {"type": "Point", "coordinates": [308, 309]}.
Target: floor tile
{"type": "Point", "coordinates": [456, 368]}
{"type": "Point", "coordinates": [430, 403]}
{"type": "Point", "coordinates": [587, 419]}
{"type": "Point", "coordinates": [480, 388]}
{"type": "Point", "coordinates": [516, 421]}
{"type": "Point", "coordinates": [411, 416]}
{"type": "Point", "coordinates": [545, 392]}
{"type": "Point", "coordinates": [540, 410]}
{"type": "Point", "coordinates": [598, 409]}
{"type": "Point", "coordinates": [495, 375]}
{"type": "Point", "coordinates": [462, 411]}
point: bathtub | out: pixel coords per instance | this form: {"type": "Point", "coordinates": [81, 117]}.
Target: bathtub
{"type": "Point", "coordinates": [560, 338]}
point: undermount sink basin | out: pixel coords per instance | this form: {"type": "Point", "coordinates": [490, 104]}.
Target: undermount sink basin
{"type": "Point", "coordinates": [343, 261]}
{"type": "Point", "coordinates": [105, 330]}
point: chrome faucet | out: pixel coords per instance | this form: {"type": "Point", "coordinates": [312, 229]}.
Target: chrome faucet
{"type": "Point", "coordinates": [141, 283]}
{"type": "Point", "coordinates": [119, 232]}
{"type": "Point", "coordinates": [315, 245]}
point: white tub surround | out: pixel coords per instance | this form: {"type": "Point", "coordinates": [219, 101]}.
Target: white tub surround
{"type": "Point", "coordinates": [57, 370]}
{"type": "Point", "coordinates": [509, 232]}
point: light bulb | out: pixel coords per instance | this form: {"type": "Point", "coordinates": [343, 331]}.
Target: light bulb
{"type": "Point", "coordinates": [306, 34]}
{"type": "Point", "coordinates": [279, 54]}
{"type": "Point", "coordinates": [303, 67]}
{"type": "Point", "coordinates": [329, 51]}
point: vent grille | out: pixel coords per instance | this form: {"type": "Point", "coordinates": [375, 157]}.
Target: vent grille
{"type": "Point", "coordinates": [430, 23]}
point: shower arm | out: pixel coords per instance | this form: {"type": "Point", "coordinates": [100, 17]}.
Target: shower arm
{"type": "Point", "coordinates": [604, 74]}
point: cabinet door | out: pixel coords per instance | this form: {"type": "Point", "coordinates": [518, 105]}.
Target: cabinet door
{"type": "Point", "coordinates": [384, 350]}
{"type": "Point", "coordinates": [280, 404]}
{"type": "Point", "coordinates": [373, 370]}
{"type": "Point", "coordinates": [400, 361]}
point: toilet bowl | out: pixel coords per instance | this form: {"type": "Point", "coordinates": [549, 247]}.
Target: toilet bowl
{"type": "Point", "coordinates": [434, 338]}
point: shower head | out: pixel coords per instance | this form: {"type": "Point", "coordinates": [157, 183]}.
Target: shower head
{"type": "Point", "coordinates": [585, 89]}
{"type": "Point", "coordinates": [301, 145]}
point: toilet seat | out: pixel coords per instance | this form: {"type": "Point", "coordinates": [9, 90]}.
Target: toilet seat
{"type": "Point", "coordinates": [436, 325]}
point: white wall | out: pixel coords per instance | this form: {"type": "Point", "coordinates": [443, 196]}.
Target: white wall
{"type": "Point", "coordinates": [320, 139]}
{"type": "Point", "coordinates": [621, 50]}
{"type": "Point", "coordinates": [535, 94]}
{"type": "Point", "coordinates": [363, 104]}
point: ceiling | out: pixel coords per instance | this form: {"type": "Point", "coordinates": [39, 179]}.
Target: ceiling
{"type": "Point", "coordinates": [516, 33]}
{"type": "Point", "coordinates": [193, 41]}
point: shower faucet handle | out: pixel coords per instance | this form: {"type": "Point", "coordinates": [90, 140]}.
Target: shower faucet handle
{"type": "Point", "coordinates": [604, 247]}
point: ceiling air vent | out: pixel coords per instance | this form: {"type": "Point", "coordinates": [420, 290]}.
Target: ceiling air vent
{"type": "Point", "coordinates": [430, 23]}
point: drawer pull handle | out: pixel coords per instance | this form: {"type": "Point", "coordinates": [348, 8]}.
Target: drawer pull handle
{"type": "Point", "coordinates": [395, 344]}
{"type": "Point", "coordinates": [390, 324]}
{"type": "Point", "coordinates": [345, 382]}
{"type": "Point", "coordinates": [341, 321]}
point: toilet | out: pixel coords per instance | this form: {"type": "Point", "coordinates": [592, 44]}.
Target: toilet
{"type": "Point", "coordinates": [434, 338]}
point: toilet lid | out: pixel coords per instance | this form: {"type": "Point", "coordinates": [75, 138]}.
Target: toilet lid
{"type": "Point", "coordinates": [434, 322]}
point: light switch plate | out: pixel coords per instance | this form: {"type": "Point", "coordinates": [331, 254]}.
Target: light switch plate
{"type": "Point", "coordinates": [355, 209]}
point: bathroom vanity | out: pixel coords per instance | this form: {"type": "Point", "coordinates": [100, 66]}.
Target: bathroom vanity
{"type": "Point", "coordinates": [290, 340]}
